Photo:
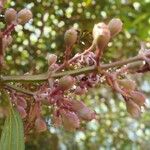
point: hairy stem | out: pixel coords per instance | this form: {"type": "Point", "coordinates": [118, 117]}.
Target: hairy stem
{"type": "Point", "coordinates": [9, 86]}
{"type": "Point", "coordinates": [44, 76]}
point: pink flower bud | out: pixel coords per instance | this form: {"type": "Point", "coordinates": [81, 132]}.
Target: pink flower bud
{"type": "Point", "coordinates": [70, 120]}
{"type": "Point", "coordinates": [40, 125]}
{"type": "Point", "coordinates": [80, 91]}
{"type": "Point", "coordinates": [34, 111]}
{"type": "Point", "coordinates": [138, 97]}
{"type": "Point", "coordinates": [133, 109]}
{"type": "Point", "coordinates": [86, 114]}
{"type": "Point", "coordinates": [10, 15]}
{"type": "Point", "coordinates": [51, 58]}
{"type": "Point", "coordinates": [2, 2]}
{"type": "Point", "coordinates": [115, 26]}
{"type": "Point", "coordinates": [22, 112]}
{"type": "Point", "coordinates": [77, 105]}
{"type": "Point", "coordinates": [24, 16]}
{"type": "Point", "coordinates": [127, 84]}
{"type": "Point", "coordinates": [57, 121]}
{"type": "Point", "coordinates": [101, 35]}
{"type": "Point", "coordinates": [70, 37]}
{"type": "Point", "coordinates": [66, 82]}
{"type": "Point", "coordinates": [82, 110]}
{"type": "Point", "coordinates": [22, 102]}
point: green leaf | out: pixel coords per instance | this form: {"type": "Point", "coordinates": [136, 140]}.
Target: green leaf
{"type": "Point", "coordinates": [12, 137]}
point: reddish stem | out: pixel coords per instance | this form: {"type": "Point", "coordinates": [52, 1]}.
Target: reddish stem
{"type": "Point", "coordinates": [9, 30]}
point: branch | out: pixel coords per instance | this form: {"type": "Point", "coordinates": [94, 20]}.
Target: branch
{"type": "Point", "coordinates": [9, 86]}
{"type": "Point", "coordinates": [44, 76]}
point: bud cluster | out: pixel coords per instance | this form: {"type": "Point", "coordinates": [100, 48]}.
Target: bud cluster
{"type": "Point", "coordinates": [134, 99]}
{"type": "Point", "coordinates": [22, 17]}
{"type": "Point", "coordinates": [66, 111]}
{"type": "Point", "coordinates": [59, 93]}
{"type": "Point", "coordinates": [12, 18]}
{"type": "Point", "coordinates": [19, 100]}
{"type": "Point", "coordinates": [103, 32]}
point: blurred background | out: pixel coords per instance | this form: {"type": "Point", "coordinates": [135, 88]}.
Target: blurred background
{"type": "Point", "coordinates": [114, 129]}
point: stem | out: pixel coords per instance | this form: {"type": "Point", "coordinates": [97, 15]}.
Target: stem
{"type": "Point", "coordinates": [9, 86]}
{"type": "Point", "coordinates": [77, 56]}
{"type": "Point", "coordinates": [9, 29]}
{"type": "Point", "coordinates": [44, 76]}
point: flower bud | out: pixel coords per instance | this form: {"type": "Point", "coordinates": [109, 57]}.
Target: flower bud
{"type": "Point", "coordinates": [127, 84]}
{"type": "Point", "coordinates": [70, 37]}
{"type": "Point", "coordinates": [101, 35]}
{"type": "Point", "coordinates": [115, 26]}
{"type": "Point", "coordinates": [57, 121]}
{"type": "Point", "coordinates": [2, 2]}
{"type": "Point", "coordinates": [22, 112]}
{"type": "Point", "coordinates": [24, 16]}
{"type": "Point", "coordinates": [86, 114]}
{"type": "Point", "coordinates": [70, 120]}
{"type": "Point", "coordinates": [40, 125]}
{"type": "Point", "coordinates": [66, 82]}
{"type": "Point", "coordinates": [51, 58]}
{"type": "Point", "coordinates": [138, 97]}
{"type": "Point", "coordinates": [82, 110]}
{"type": "Point", "coordinates": [133, 109]}
{"type": "Point", "coordinates": [80, 91]}
{"type": "Point", "coordinates": [10, 15]}
{"type": "Point", "coordinates": [34, 110]}
{"type": "Point", "coordinates": [77, 105]}
{"type": "Point", "coordinates": [22, 102]}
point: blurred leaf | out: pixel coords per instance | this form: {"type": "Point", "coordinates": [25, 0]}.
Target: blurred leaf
{"type": "Point", "coordinates": [12, 137]}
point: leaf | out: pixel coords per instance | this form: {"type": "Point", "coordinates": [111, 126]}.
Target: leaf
{"type": "Point", "coordinates": [12, 137]}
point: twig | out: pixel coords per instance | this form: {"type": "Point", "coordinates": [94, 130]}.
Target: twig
{"type": "Point", "coordinates": [9, 86]}
{"type": "Point", "coordinates": [44, 76]}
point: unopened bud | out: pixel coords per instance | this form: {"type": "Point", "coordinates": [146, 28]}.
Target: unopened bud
{"type": "Point", "coordinates": [57, 121]}
{"type": "Point", "coordinates": [80, 91]}
{"type": "Point", "coordinates": [133, 109]}
{"type": "Point", "coordinates": [138, 97]}
{"type": "Point", "coordinates": [101, 35]}
{"type": "Point", "coordinates": [115, 26]}
{"type": "Point", "coordinates": [24, 16]}
{"type": "Point", "coordinates": [10, 15]}
{"type": "Point", "coordinates": [51, 58]}
{"type": "Point", "coordinates": [127, 84]}
{"type": "Point", "coordinates": [2, 2]}
{"type": "Point", "coordinates": [22, 102]}
{"type": "Point", "coordinates": [66, 82]}
{"type": "Point", "coordinates": [86, 114]}
{"type": "Point", "coordinates": [70, 37]}
{"type": "Point", "coordinates": [40, 125]}
{"type": "Point", "coordinates": [70, 120]}
{"type": "Point", "coordinates": [22, 112]}
{"type": "Point", "coordinates": [77, 105]}
{"type": "Point", "coordinates": [82, 110]}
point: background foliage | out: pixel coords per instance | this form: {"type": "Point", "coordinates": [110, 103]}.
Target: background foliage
{"type": "Point", "coordinates": [114, 129]}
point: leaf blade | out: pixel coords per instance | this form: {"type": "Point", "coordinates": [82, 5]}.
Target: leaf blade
{"type": "Point", "coordinates": [12, 135]}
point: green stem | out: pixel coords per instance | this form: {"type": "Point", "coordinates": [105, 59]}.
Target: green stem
{"type": "Point", "coordinates": [9, 86]}
{"type": "Point", "coordinates": [44, 76]}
